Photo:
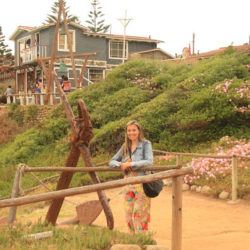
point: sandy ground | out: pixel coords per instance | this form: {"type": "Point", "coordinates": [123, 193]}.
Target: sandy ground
{"type": "Point", "coordinates": [208, 223]}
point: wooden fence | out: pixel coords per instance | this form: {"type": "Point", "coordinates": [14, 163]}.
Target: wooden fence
{"type": "Point", "coordinates": [32, 98]}
{"type": "Point", "coordinates": [175, 172]}
{"type": "Point", "coordinates": [234, 158]}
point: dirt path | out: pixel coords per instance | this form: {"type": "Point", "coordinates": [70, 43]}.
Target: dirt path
{"type": "Point", "coordinates": [208, 223]}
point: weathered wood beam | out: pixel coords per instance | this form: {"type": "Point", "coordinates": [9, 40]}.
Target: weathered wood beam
{"type": "Point", "coordinates": [97, 169]}
{"type": "Point", "coordinates": [69, 45]}
{"type": "Point", "coordinates": [94, 187]}
{"type": "Point", "coordinates": [66, 56]}
{"type": "Point", "coordinates": [83, 70]}
{"type": "Point", "coordinates": [53, 54]}
{"type": "Point", "coordinates": [193, 154]}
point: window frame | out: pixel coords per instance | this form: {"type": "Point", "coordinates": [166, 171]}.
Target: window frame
{"type": "Point", "coordinates": [66, 41]}
{"type": "Point", "coordinates": [102, 72]}
{"type": "Point", "coordinates": [126, 49]}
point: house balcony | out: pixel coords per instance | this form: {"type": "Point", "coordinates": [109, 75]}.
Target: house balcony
{"type": "Point", "coordinates": [28, 55]}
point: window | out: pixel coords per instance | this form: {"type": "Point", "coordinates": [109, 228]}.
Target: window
{"type": "Point", "coordinates": [116, 49]}
{"type": "Point", "coordinates": [63, 41]}
{"type": "Point", "coordinates": [95, 75]}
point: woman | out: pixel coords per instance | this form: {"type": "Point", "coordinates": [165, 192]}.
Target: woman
{"type": "Point", "coordinates": [135, 153]}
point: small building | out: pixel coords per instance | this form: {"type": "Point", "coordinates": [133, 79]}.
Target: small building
{"type": "Point", "coordinates": [153, 54]}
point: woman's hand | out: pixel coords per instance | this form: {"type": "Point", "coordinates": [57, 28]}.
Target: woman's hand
{"type": "Point", "coordinates": [126, 166]}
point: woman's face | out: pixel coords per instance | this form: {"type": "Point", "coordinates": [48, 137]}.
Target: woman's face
{"type": "Point", "coordinates": [133, 132]}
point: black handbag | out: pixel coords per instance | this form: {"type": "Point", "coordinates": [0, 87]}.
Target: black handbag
{"type": "Point", "coordinates": [153, 189]}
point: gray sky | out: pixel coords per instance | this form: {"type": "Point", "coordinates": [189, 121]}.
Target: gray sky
{"type": "Point", "coordinates": [216, 23]}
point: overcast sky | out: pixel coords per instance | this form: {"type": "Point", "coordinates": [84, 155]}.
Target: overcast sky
{"type": "Point", "coordinates": [216, 23]}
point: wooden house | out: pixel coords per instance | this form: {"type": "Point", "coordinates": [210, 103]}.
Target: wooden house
{"type": "Point", "coordinates": [32, 43]}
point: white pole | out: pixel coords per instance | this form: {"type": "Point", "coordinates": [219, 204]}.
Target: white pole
{"type": "Point", "coordinates": [125, 21]}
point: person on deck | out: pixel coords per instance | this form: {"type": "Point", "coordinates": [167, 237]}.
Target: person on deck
{"type": "Point", "coordinates": [66, 85]}
{"type": "Point", "coordinates": [135, 153]}
{"type": "Point", "coordinates": [9, 92]}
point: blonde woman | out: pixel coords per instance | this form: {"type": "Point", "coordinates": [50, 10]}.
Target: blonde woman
{"type": "Point", "coordinates": [135, 153]}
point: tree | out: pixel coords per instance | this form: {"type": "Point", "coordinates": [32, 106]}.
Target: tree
{"type": "Point", "coordinates": [95, 15]}
{"type": "Point", "coordinates": [52, 18]}
{"type": "Point", "coordinates": [4, 50]}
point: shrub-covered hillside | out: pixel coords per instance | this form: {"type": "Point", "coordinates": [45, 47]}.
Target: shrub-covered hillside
{"type": "Point", "coordinates": [179, 107]}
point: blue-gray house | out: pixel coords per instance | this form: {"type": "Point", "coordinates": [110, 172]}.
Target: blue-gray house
{"type": "Point", "coordinates": [32, 43]}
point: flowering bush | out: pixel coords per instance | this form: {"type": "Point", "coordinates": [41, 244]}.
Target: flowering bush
{"type": "Point", "coordinates": [211, 168]}
{"type": "Point", "coordinates": [238, 96]}
{"type": "Point", "coordinates": [144, 82]}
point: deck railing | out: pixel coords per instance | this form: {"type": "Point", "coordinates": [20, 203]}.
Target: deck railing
{"type": "Point", "coordinates": [34, 52]}
{"type": "Point", "coordinates": [33, 98]}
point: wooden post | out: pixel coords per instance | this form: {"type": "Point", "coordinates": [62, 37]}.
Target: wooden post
{"type": "Point", "coordinates": [82, 72]}
{"type": "Point", "coordinates": [25, 87]}
{"type": "Point", "coordinates": [234, 180]}
{"type": "Point", "coordinates": [178, 160]}
{"type": "Point", "coordinates": [53, 53]}
{"type": "Point", "coordinates": [69, 40]}
{"type": "Point", "coordinates": [177, 213]}
{"type": "Point", "coordinates": [14, 194]}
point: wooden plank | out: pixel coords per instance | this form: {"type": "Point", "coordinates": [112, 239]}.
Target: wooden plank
{"type": "Point", "coordinates": [83, 70]}
{"type": "Point", "coordinates": [63, 183]}
{"type": "Point", "coordinates": [53, 53]}
{"type": "Point", "coordinates": [93, 169]}
{"type": "Point", "coordinates": [94, 187]}
{"type": "Point", "coordinates": [193, 154]}
{"type": "Point", "coordinates": [69, 45]}
{"type": "Point", "coordinates": [14, 194]}
{"type": "Point", "coordinates": [177, 213]}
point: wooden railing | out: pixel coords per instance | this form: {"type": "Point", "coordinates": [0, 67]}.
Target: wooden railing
{"type": "Point", "coordinates": [234, 158]}
{"type": "Point", "coordinates": [33, 98]}
{"type": "Point", "coordinates": [175, 172]}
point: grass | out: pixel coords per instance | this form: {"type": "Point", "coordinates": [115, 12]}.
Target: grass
{"type": "Point", "coordinates": [74, 237]}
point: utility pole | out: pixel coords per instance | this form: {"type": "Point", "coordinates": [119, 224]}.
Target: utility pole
{"type": "Point", "coordinates": [125, 21]}
{"type": "Point", "coordinates": [193, 42]}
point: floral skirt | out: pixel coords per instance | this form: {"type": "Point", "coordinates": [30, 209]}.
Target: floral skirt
{"type": "Point", "coordinates": [137, 208]}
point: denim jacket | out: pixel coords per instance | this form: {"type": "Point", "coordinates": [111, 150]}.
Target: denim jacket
{"type": "Point", "coordinates": [142, 156]}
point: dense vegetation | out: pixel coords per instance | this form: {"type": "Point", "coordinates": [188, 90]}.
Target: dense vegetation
{"type": "Point", "coordinates": [179, 106]}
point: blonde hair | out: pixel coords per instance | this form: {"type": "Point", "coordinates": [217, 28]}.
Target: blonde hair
{"type": "Point", "coordinates": [127, 143]}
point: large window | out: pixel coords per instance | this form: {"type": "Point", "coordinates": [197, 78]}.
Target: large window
{"type": "Point", "coordinates": [95, 75]}
{"type": "Point", "coordinates": [63, 41]}
{"type": "Point", "coordinates": [116, 49]}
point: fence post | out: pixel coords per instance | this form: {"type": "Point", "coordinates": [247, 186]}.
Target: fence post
{"type": "Point", "coordinates": [42, 98]}
{"type": "Point", "coordinates": [176, 213]}
{"type": "Point", "coordinates": [15, 192]}
{"type": "Point", "coordinates": [178, 159]}
{"type": "Point", "coordinates": [177, 209]}
{"type": "Point", "coordinates": [8, 99]}
{"type": "Point", "coordinates": [234, 179]}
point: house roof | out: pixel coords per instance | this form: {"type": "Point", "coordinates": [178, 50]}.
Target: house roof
{"type": "Point", "coordinates": [153, 50]}
{"type": "Point", "coordinates": [19, 30]}
{"type": "Point", "coordinates": [85, 31]}
{"type": "Point", "coordinates": [239, 48]}
{"type": "Point", "coordinates": [39, 28]}
{"type": "Point", "coordinates": [128, 37]}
